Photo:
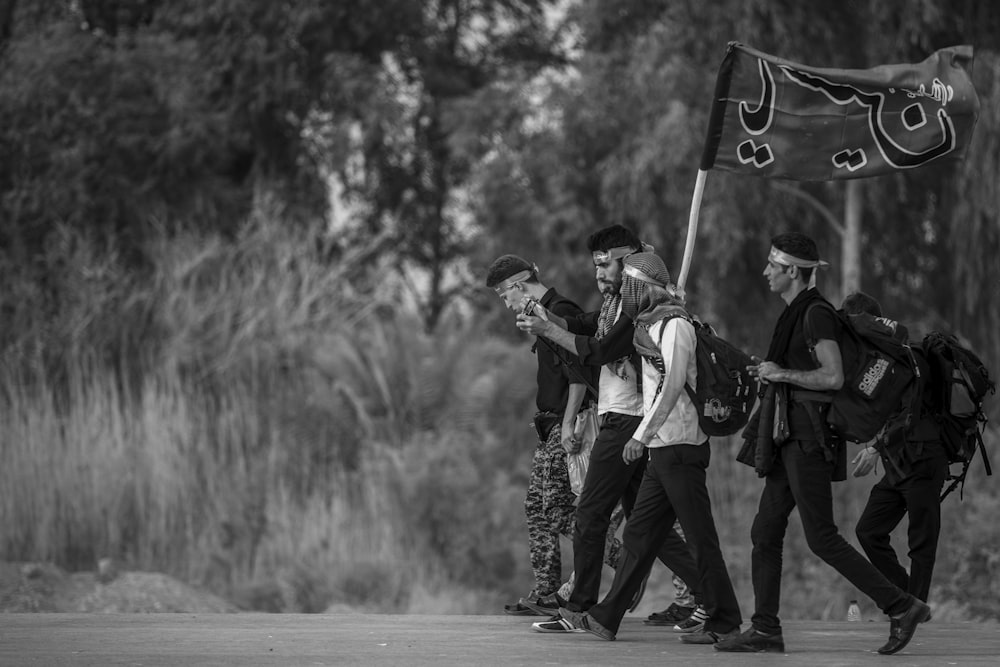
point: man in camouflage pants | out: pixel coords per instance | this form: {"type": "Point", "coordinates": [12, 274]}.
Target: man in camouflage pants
{"type": "Point", "coordinates": [562, 387]}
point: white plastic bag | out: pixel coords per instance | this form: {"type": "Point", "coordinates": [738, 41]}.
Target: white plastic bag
{"type": "Point", "coordinates": [585, 431]}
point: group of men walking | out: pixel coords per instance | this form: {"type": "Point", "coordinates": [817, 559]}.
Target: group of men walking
{"type": "Point", "coordinates": [652, 457]}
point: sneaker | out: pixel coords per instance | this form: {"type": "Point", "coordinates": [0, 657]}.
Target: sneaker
{"type": "Point", "coordinates": [709, 636]}
{"type": "Point", "coordinates": [518, 609]}
{"type": "Point", "coordinates": [753, 641]}
{"type": "Point", "coordinates": [547, 605]}
{"type": "Point", "coordinates": [583, 620]}
{"type": "Point", "coordinates": [693, 623]}
{"type": "Point", "coordinates": [672, 615]}
{"type": "Point", "coordinates": [901, 629]}
{"type": "Point", "coordinates": [555, 624]}
{"type": "Point", "coordinates": [523, 608]}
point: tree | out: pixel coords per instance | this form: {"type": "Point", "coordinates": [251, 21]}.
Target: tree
{"type": "Point", "coordinates": [450, 71]}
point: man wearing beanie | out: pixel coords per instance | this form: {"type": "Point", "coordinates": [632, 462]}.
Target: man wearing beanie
{"type": "Point", "coordinates": [562, 386]}
{"type": "Point", "coordinates": [605, 340]}
{"type": "Point", "coordinates": [674, 484]}
{"type": "Point", "coordinates": [804, 457]}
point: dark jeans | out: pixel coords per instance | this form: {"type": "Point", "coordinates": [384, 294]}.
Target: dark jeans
{"type": "Point", "coordinates": [919, 495]}
{"type": "Point", "coordinates": [673, 488]}
{"type": "Point", "coordinates": [802, 479]}
{"type": "Point", "coordinates": [609, 480]}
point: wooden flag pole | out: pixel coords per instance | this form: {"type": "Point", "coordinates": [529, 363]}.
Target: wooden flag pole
{"type": "Point", "coordinates": [692, 232]}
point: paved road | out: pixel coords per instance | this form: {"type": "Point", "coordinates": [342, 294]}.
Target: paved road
{"type": "Point", "coordinates": [227, 640]}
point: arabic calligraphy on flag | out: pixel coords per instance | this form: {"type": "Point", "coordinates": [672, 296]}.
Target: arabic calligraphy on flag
{"type": "Point", "coordinates": [778, 119]}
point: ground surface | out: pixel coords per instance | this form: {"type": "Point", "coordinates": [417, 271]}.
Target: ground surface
{"type": "Point", "coordinates": [55, 640]}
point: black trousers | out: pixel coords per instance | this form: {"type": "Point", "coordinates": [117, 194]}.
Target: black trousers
{"type": "Point", "coordinates": [673, 488]}
{"type": "Point", "coordinates": [609, 480]}
{"type": "Point", "coordinates": [801, 478]}
{"type": "Point", "coordinates": [919, 495]}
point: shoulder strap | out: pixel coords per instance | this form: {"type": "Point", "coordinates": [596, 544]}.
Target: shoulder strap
{"type": "Point", "coordinates": [680, 312]}
{"type": "Point", "coordinates": [559, 360]}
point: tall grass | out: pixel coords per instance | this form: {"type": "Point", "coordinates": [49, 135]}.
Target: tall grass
{"type": "Point", "coordinates": [253, 418]}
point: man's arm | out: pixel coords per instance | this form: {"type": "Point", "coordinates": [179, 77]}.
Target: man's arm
{"type": "Point", "coordinates": [677, 346]}
{"type": "Point", "coordinates": [549, 329]}
{"type": "Point", "coordinates": [591, 351]}
{"type": "Point", "coordinates": [828, 377]}
{"type": "Point", "coordinates": [573, 402]}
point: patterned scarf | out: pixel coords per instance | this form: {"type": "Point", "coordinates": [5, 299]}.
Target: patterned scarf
{"type": "Point", "coordinates": [609, 310]}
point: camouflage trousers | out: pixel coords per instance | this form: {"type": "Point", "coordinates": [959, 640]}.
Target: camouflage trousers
{"type": "Point", "coordinates": [549, 510]}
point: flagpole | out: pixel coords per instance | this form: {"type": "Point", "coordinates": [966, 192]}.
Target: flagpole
{"type": "Point", "coordinates": [712, 138]}
{"type": "Point", "coordinates": [692, 232]}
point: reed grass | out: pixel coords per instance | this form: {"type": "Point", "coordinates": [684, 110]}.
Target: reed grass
{"type": "Point", "coordinates": [250, 419]}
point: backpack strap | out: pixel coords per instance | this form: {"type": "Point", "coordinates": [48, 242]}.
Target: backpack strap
{"type": "Point", "coordinates": [679, 312]}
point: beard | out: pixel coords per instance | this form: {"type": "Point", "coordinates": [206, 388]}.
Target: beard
{"type": "Point", "coordinates": [609, 287]}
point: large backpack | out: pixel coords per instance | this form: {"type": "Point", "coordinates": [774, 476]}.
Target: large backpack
{"type": "Point", "coordinates": [726, 392]}
{"type": "Point", "coordinates": [959, 382]}
{"type": "Point", "coordinates": [880, 377]}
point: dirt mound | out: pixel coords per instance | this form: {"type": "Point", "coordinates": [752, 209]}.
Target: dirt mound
{"type": "Point", "coordinates": [42, 587]}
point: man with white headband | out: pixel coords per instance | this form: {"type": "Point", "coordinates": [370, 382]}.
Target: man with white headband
{"type": "Point", "coordinates": [674, 483]}
{"type": "Point", "coordinates": [605, 339]}
{"type": "Point", "coordinates": [549, 503]}
{"type": "Point", "coordinates": [805, 457]}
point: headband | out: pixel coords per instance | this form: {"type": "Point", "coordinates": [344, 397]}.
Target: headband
{"type": "Point", "coordinates": [601, 256]}
{"type": "Point", "coordinates": [633, 272]}
{"type": "Point", "coordinates": [518, 277]}
{"type": "Point", "coordinates": [781, 257]}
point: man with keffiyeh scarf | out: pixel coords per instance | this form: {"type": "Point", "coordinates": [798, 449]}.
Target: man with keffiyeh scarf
{"type": "Point", "coordinates": [674, 482]}
{"type": "Point", "coordinates": [605, 339]}
{"type": "Point", "coordinates": [800, 457]}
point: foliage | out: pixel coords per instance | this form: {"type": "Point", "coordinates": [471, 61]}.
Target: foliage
{"type": "Point", "coordinates": [206, 369]}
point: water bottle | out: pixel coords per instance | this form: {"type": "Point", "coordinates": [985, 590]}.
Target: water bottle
{"type": "Point", "coordinates": [854, 611]}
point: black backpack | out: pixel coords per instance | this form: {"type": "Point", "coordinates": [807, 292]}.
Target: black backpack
{"type": "Point", "coordinates": [726, 391]}
{"type": "Point", "coordinates": [880, 387]}
{"type": "Point", "coordinates": [959, 382]}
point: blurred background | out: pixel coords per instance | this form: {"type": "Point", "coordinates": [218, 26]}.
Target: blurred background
{"type": "Point", "coordinates": [243, 337]}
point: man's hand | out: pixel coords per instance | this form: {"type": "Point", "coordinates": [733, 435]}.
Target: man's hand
{"type": "Point", "coordinates": [768, 371]}
{"type": "Point", "coordinates": [865, 461]}
{"type": "Point", "coordinates": [536, 326]}
{"type": "Point", "coordinates": [570, 442]}
{"type": "Point", "coordinates": [633, 451]}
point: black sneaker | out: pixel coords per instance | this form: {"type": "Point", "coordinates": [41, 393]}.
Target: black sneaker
{"type": "Point", "coordinates": [523, 606]}
{"type": "Point", "coordinates": [672, 615]}
{"type": "Point", "coordinates": [693, 623]}
{"type": "Point", "coordinates": [546, 605]}
{"type": "Point", "coordinates": [556, 624]}
{"type": "Point", "coordinates": [752, 641]}
{"type": "Point", "coordinates": [709, 636]}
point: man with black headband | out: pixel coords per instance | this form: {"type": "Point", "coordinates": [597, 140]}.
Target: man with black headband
{"type": "Point", "coordinates": [806, 457]}
{"type": "Point", "coordinates": [604, 339]}
{"type": "Point", "coordinates": [561, 379]}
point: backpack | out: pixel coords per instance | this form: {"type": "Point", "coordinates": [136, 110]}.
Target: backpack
{"type": "Point", "coordinates": [726, 392]}
{"type": "Point", "coordinates": [880, 387]}
{"type": "Point", "coordinates": [959, 382]}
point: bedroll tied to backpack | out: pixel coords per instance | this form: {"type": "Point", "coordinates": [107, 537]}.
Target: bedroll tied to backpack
{"type": "Point", "coordinates": [726, 392]}
{"type": "Point", "coordinates": [880, 378]}
{"type": "Point", "coordinates": [960, 382]}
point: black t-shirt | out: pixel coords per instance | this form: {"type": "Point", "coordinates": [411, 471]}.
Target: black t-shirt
{"type": "Point", "coordinates": [824, 325]}
{"type": "Point", "coordinates": [558, 369]}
